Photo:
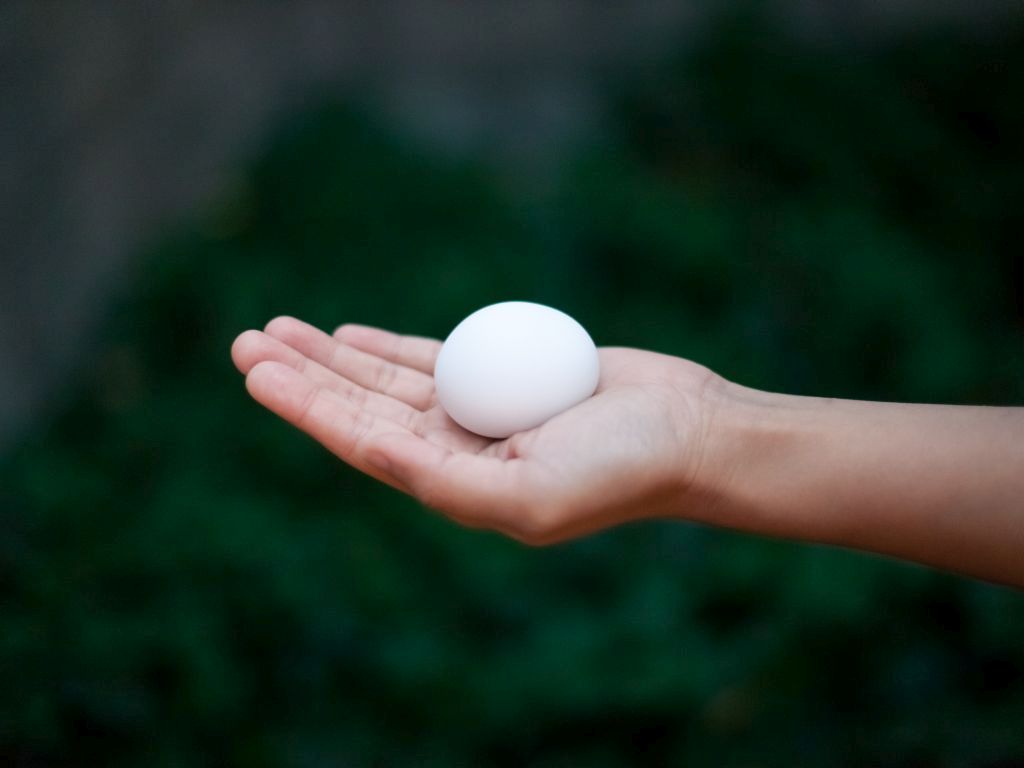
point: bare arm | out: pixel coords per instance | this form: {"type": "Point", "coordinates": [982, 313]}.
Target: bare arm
{"type": "Point", "coordinates": [662, 438]}
{"type": "Point", "coordinates": [942, 485]}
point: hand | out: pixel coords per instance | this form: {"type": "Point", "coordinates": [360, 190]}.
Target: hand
{"type": "Point", "coordinates": [662, 437]}
{"type": "Point", "coordinates": [633, 450]}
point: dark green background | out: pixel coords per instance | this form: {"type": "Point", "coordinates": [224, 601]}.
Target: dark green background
{"type": "Point", "coordinates": [187, 581]}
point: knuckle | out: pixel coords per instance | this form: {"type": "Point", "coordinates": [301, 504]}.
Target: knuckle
{"type": "Point", "coordinates": [468, 521]}
{"type": "Point", "coordinates": [362, 425]}
{"type": "Point", "coordinates": [519, 444]}
{"type": "Point", "coordinates": [413, 420]}
{"type": "Point", "coordinates": [398, 347]}
{"type": "Point", "coordinates": [306, 407]}
{"type": "Point", "coordinates": [336, 359]}
{"type": "Point", "coordinates": [535, 523]}
{"type": "Point", "coordinates": [429, 496]}
{"type": "Point", "coordinates": [387, 374]}
{"type": "Point", "coordinates": [536, 540]}
{"type": "Point", "coordinates": [355, 394]}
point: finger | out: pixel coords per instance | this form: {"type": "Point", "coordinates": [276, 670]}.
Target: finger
{"type": "Point", "coordinates": [253, 347]}
{"type": "Point", "coordinates": [344, 429]}
{"type": "Point", "coordinates": [475, 490]}
{"type": "Point", "coordinates": [411, 351]}
{"type": "Point", "coordinates": [374, 373]}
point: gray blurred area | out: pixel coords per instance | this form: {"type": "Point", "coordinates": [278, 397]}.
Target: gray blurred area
{"type": "Point", "coordinates": [117, 118]}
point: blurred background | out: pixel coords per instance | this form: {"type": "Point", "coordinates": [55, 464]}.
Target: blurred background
{"type": "Point", "coordinates": [811, 197]}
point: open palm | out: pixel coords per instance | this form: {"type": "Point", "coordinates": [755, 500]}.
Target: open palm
{"type": "Point", "coordinates": [368, 396]}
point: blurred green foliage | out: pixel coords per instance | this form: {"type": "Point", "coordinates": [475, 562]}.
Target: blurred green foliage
{"type": "Point", "coordinates": [187, 581]}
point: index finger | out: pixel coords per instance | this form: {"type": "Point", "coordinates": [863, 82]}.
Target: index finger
{"type": "Point", "coordinates": [411, 351]}
{"type": "Point", "coordinates": [342, 427]}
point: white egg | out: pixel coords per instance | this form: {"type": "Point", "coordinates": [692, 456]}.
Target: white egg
{"type": "Point", "coordinates": [512, 366]}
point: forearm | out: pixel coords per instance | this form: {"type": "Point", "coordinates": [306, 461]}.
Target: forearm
{"type": "Point", "coordinates": [942, 485]}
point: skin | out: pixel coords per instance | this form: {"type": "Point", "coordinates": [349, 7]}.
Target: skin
{"type": "Point", "coordinates": [662, 437]}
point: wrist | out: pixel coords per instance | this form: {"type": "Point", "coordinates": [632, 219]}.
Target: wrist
{"type": "Point", "coordinates": [756, 449]}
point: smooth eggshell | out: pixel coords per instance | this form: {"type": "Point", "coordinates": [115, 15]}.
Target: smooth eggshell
{"type": "Point", "coordinates": [512, 366]}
